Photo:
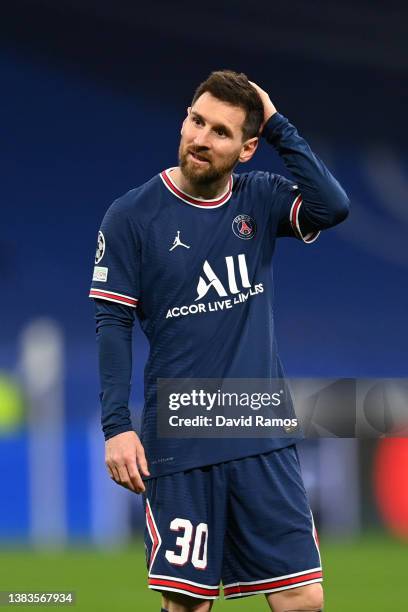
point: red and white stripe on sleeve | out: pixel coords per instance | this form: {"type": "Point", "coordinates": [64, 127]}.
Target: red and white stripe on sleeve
{"type": "Point", "coordinates": [294, 221]}
{"type": "Point", "coordinates": [112, 296]}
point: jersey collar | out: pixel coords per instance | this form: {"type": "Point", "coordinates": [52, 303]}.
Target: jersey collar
{"type": "Point", "coordinates": [198, 202]}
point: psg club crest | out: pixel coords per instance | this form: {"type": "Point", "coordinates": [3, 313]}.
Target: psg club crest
{"type": "Point", "coordinates": [244, 227]}
{"type": "Point", "coordinates": [100, 249]}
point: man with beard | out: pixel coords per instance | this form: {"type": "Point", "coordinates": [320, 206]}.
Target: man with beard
{"type": "Point", "coordinates": [189, 252]}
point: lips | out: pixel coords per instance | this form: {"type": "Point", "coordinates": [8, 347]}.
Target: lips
{"type": "Point", "coordinates": [198, 158]}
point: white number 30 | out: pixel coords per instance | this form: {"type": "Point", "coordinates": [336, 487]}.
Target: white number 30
{"type": "Point", "coordinates": [198, 560]}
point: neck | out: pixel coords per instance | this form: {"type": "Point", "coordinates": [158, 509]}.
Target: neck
{"type": "Point", "coordinates": [205, 192]}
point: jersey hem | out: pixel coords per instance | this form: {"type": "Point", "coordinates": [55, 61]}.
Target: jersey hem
{"type": "Point", "coordinates": [184, 467]}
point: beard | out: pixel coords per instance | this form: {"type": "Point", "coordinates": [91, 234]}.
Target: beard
{"type": "Point", "coordinates": [212, 173]}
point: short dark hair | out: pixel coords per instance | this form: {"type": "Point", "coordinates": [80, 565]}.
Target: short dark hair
{"type": "Point", "coordinates": [234, 88]}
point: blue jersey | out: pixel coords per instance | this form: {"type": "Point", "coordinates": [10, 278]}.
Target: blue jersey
{"type": "Point", "coordinates": [198, 275]}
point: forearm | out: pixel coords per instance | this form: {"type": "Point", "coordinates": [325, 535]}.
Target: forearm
{"type": "Point", "coordinates": [114, 342]}
{"type": "Point", "coordinates": [324, 201]}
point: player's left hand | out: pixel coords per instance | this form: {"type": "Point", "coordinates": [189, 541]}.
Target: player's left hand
{"type": "Point", "coordinates": [269, 108]}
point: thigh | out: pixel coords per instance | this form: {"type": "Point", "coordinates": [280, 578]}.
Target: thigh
{"type": "Point", "coordinates": [308, 597]}
{"type": "Point", "coordinates": [185, 527]}
{"type": "Point", "coordinates": [271, 543]}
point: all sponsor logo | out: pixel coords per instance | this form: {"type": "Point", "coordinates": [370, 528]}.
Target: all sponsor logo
{"type": "Point", "coordinates": [238, 291]}
{"type": "Point", "coordinates": [213, 280]}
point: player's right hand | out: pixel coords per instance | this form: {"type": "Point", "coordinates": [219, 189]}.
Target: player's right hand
{"type": "Point", "coordinates": [269, 107]}
{"type": "Point", "coordinates": [126, 461]}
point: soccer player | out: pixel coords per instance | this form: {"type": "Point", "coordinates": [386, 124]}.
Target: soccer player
{"type": "Point", "coordinates": [230, 510]}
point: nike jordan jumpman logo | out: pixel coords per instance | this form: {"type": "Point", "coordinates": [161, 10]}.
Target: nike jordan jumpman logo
{"type": "Point", "coordinates": [177, 242]}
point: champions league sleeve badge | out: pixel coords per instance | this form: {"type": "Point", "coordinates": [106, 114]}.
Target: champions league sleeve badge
{"type": "Point", "coordinates": [244, 227]}
{"type": "Point", "coordinates": [100, 248]}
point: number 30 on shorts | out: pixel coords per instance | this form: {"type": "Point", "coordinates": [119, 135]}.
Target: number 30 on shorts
{"type": "Point", "coordinates": [192, 542]}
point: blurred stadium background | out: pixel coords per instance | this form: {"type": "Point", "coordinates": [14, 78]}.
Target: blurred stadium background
{"type": "Point", "coordinates": [93, 94]}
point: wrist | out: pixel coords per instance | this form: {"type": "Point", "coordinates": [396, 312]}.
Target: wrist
{"type": "Point", "coordinates": [273, 126]}
{"type": "Point", "coordinates": [118, 429]}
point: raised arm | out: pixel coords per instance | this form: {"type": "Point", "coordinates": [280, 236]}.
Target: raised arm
{"type": "Point", "coordinates": [324, 202]}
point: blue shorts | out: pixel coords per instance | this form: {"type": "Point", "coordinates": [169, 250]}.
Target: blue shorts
{"type": "Point", "coordinates": [245, 522]}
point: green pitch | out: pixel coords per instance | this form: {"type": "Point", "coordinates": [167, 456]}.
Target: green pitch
{"type": "Point", "coordinates": [364, 575]}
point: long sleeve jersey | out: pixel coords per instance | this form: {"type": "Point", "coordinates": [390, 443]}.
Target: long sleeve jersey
{"type": "Point", "coordinates": [197, 275]}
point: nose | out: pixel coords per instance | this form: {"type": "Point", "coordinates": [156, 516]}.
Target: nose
{"type": "Point", "coordinates": [201, 138]}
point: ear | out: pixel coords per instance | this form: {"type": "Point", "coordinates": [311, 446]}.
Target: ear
{"type": "Point", "coordinates": [185, 119]}
{"type": "Point", "coordinates": [248, 149]}
{"type": "Point", "coordinates": [182, 126]}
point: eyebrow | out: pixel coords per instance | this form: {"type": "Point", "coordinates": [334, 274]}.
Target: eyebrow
{"type": "Point", "coordinates": [216, 126]}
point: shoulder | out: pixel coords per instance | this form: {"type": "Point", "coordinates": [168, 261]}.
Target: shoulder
{"type": "Point", "coordinates": [134, 206]}
{"type": "Point", "coordinates": [261, 182]}
{"type": "Point", "coordinates": [134, 200]}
